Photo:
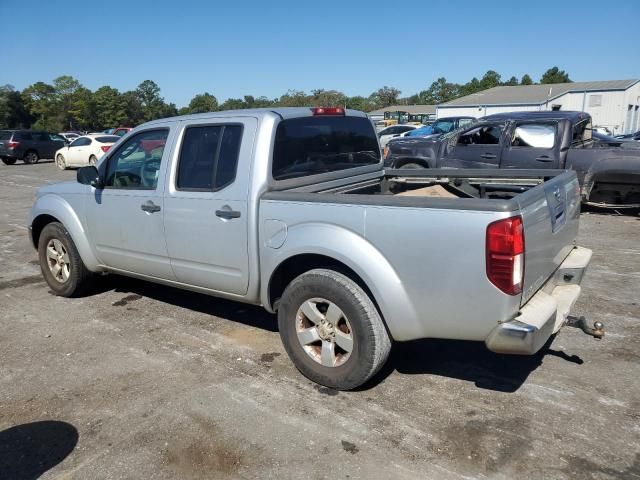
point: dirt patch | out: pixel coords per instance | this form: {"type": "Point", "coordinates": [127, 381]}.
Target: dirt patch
{"type": "Point", "coordinates": [21, 282]}
{"type": "Point", "coordinates": [269, 357]}
{"type": "Point", "coordinates": [125, 300]}
{"type": "Point", "coordinates": [349, 447]}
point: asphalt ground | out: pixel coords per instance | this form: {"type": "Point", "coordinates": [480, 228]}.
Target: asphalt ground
{"type": "Point", "coordinates": [137, 380]}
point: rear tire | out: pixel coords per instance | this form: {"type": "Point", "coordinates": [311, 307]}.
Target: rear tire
{"type": "Point", "coordinates": [8, 161]}
{"type": "Point", "coordinates": [345, 343]}
{"type": "Point", "coordinates": [61, 162]}
{"type": "Point", "coordinates": [412, 165]}
{"type": "Point", "coordinates": [60, 262]}
{"type": "Point", "coordinates": [93, 160]}
{"type": "Point", "coordinates": [31, 157]}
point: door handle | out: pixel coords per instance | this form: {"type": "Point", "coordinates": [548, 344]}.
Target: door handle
{"type": "Point", "coordinates": [150, 207]}
{"type": "Point", "coordinates": [226, 213]}
{"type": "Point", "coordinates": [544, 158]}
{"type": "Point", "coordinates": [488, 156]}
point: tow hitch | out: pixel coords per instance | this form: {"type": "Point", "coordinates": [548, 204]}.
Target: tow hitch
{"type": "Point", "coordinates": [597, 331]}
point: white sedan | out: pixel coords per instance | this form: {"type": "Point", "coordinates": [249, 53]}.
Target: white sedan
{"type": "Point", "coordinates": [393, 131]}
{"type": "Point", "coordinates": [85, 150]}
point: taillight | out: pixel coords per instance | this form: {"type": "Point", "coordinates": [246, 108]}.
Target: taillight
{"type": "Point", "coordinates": [328, 110]}
{"type": "Point", "coordinates": [505, 254]}
{"type": "Point", "coordinates": [386, 152]}
{"type": "Point", "coordinates": [105, 148]}
{"type": "Point", "coordinates": [11, 145]}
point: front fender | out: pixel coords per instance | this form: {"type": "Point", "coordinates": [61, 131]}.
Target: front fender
{"type": "Point", "coordinates": [57, 207]}
{"type": "Point", "coordinates": [359, 255]}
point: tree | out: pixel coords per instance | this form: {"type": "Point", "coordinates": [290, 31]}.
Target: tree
{"type": "Point", "coordinates": [554, 75]}
{"type": "Point", "coordinates": [511, 82]}
{"type": "Point", "coordinates": [440, 91]}
{"type": "Point", "coordinates": [203, 103]}
{"type": "Point", "coordinates": [470, 87]}
{"type": "Point", "coordinates": [110, 108]}
{"type": "Point", "coordinates": [360, 103]}
{"type": "Point", "coordinates": [39, 99]}
{"type": "Point", "coordinates": [152, 104]}
{"type": "Point", "coordinates": [13, 111]}
{"type": "Point", "coordinates": [294, 98]}
{"type": "Point", "coordinates": [328, 98]}
{"type": "Point", "coordinates": [526, 80]}
{"type": "Point", "coordinates": [490, 79]}
{"type": "Point", "coordinates": [385, 97]}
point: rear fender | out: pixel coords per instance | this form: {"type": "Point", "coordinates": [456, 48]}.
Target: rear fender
{"type": "Point", "coordinates": [359, 255]}
{"type": "Point", "coordinates": [57, 207]}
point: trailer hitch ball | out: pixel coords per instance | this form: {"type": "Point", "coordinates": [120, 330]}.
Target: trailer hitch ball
{"type": "Point", "coordinates": [597, 331]}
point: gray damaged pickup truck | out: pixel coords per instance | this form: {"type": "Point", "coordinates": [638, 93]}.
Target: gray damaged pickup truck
{"type": "Point", "coordinates": [291, 209]}
{"type": "Point", "coordinates": [609, 174]}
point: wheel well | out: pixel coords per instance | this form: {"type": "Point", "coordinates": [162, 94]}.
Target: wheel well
{"type": "Point", "coordinates": [404, 161]}
{"type": "Point", "coordinates": [38, 224]}
{"type": "Point", "coordinates": [299, 264]}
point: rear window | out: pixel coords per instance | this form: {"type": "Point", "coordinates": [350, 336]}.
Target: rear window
{"type": "Point", "coordinates": [107, 139]}
{"type": "Point", "coordinates": [314, 145]}
{"type": "Point", "coordinates": [5, 135]}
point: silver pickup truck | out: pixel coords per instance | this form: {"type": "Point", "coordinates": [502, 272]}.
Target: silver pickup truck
{"type": "Point", "coordinates": [291, 209]}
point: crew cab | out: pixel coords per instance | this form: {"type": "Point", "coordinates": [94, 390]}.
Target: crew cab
{"type": "Point", "coordinates": [609, 175]}
{"type": "Point", "coordinates": [291, 209]}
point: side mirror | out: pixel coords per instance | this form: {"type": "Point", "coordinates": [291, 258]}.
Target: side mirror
{"type": "Point", "coordinates": [89, 176]}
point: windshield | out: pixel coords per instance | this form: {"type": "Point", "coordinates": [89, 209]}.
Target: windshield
{"type": "Point", "coordinates": [321, 144]}
{"type": "Point", "coordinates": [443, 126]}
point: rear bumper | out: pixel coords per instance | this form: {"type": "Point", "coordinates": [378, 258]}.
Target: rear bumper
{"type": "Point", "coordinates": [546, 312]}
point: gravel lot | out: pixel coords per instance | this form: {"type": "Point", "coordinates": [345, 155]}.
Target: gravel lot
{"type": "Point", "coordinates": [143, 381]}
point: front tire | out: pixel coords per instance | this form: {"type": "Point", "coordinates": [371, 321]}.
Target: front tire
{"type": "Point", "coordinates": [31, 157]}
{"type": "Point", "coordinates": [412, 165]}
{"type": "Point", "coordinates": [8, 161]}
{"type": "Point", "coordinates": [331, 330]}
{"type": "Point", "coordinates": [61, 162]}
{"type": "Point", "coordinates": [60, 262]}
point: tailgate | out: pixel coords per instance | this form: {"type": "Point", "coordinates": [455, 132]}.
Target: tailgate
{"type": "Point", "coordinates": [550, 215]}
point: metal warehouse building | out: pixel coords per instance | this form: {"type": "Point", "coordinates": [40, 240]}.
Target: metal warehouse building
{"type": "Point", "coordinates": [614, 104]}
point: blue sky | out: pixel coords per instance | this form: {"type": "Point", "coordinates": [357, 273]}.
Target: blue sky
{"type": "Point", "coordinates": [233, 48]}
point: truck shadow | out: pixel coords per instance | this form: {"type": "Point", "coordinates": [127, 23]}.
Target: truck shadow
{"type": "Point", "coordinates": [29, 450]}
{"type": "Point", "coordinates": [468, 361]}
{"type": "Point", "coordinates": [225, 309]}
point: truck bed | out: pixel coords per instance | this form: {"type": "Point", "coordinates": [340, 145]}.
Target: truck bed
{"type": "Point", "coordinates": [432, 224]}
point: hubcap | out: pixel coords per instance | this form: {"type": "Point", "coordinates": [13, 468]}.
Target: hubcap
{"type": "Point", "coordinates": [324, 332]}
{"type": "Point", "coordinates": [58, 260]}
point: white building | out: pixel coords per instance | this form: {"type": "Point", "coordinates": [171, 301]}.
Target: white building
{"type": "Point", "coordinates": [614, 104]}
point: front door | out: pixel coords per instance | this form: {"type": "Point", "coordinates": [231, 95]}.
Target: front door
{"type": "Point", "coordinates": [78, 150]}
{"type": "Point", "coordinates": [206, 204]}
{"type": "Point", "coordinates": [479, 146]}
{"type": "Point", "coordinates": [125, 218]}
{"type": "Point", "coordinates": [532, 145]}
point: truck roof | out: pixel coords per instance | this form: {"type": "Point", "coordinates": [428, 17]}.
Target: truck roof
{"type": "Point", "coordinates": [573, 116]}
{"type": "Point", "coordinates": [283, 112]}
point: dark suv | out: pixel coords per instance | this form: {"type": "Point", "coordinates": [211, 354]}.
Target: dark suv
{"type": "Point", "coordinates": [28, 145]}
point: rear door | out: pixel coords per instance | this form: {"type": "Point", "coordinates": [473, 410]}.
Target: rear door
{"type": "Point", "coordinates": [479, 146]}
{"type": "Point", "coordinates": [532, 145]}
{"type": "Point", "coordinates": [206, 203]}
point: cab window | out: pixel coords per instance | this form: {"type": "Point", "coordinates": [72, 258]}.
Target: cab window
{"type": "Point", "coordinates": [136, 164]}
{"type": "Point", "coordinates": [536, 135]}
{"type": "Point", "coordinates": [482, 135]}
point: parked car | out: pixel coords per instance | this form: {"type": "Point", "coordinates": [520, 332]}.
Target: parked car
{"type": "Point", "coordinates": [393, 131]}
{"type": "Point", "coordinates": [85, 150]}
{"type": "Point", "coordinates": [69, 136]}
{"type": "Point", "coordinates": [601, 130]}
{"type": "Point", "coordinates": [609, 175]}
{"type": "Point", "coordinates": [121, 131]}
{"type": "Point", "coordinates": [28, 145]}
{"type": "Point", "coordinates": [630, 136]}
{"type": "Point", "coordinates": [609, 141]}
{"type": "Point", "coordinates": [290, 208]}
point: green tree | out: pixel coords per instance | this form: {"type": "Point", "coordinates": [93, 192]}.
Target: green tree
{"type": "Point", "coordinates": [328, 98]}
{"type": "Point", "coordinates": [110, 108]}
{"type": "Point", "coordinates": [526, 80]}
{"type": "Point", "coordinates": [133, 109]}
{"type": "Point", "coordinates": [65, 106]}
{"type": "Point", "coordinates": [151, 103]}
{"type": "Point", "coordinates": [360, 103]}
{"type": "Point", "coordinates": [385, 97]}
{"type": "Point", "coordinates": [39, 99]}
{"type": "Point", "coordinates": [203, 103]}
{"type": "Point", "coordinates": [470, 87]}
{"type": "Point", "coordinates": [490, 79]}
{"type": "Point", "coordinates": [294, 98]}
{"type": "Point", "coordinates": [13, 111]}
{"type": "Point", "coordinates": [440, 91]}
{"type": "Point", "coordinates": [554, 75]}
{"type": "Point", "coordinates": [511, 82]}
